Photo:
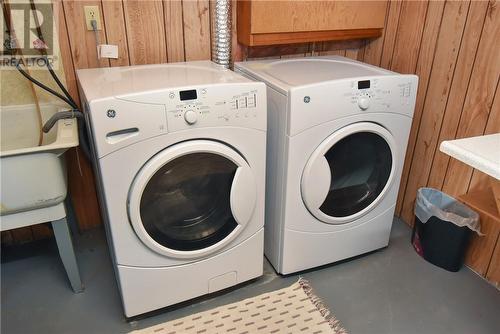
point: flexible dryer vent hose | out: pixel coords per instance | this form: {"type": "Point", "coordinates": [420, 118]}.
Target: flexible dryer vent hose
{"type": "Point", "coordinates": [221, 25]}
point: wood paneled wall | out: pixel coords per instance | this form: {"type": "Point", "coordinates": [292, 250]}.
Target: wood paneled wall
{"type": "Point", "coordinates": [452, 46]}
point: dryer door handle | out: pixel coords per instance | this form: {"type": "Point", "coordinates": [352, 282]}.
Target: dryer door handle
{"type": "Point", "coordinates": [243, 196]}
{"type": "Point", "coordinates": [316, 181]}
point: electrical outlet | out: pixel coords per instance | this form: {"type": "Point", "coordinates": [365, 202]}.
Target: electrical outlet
{"type": "Point", "coordinates": [92, 13]}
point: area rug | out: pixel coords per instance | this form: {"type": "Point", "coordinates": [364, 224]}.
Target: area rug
{"type": "Point", "coordinates": [295, 309]}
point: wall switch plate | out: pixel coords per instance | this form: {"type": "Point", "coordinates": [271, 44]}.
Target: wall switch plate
{"type": "Point", "coordinates": [92, 13]}
{"type": "Point", "coordinates": [107, 51]}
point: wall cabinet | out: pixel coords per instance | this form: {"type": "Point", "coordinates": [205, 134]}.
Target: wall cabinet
{"type": "Point", "coordinates": [285, 22]}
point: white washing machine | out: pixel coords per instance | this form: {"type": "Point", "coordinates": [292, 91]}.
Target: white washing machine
{"type": "Point", "coordinates": [180, 158]}
{"type": "Point", "coordinates": [337, 135]}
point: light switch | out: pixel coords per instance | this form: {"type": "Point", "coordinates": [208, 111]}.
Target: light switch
{"type": "Point", "coordinates": [107, 51]}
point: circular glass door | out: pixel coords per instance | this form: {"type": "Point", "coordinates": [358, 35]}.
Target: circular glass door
{"type": "Point", "coordinates": [185, 205]}
{"type": "Point", "coordinates": [183, 200]}
{"type": "Point", "coordinates": [348, 173]}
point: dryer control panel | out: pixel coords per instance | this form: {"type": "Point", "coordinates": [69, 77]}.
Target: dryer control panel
{"type": "Point", "coordinates": [371, 95]}
{"type": "Point", "coordinates": [343, 98]}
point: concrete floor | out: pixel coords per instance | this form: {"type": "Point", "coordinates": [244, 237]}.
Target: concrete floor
{"type": "Point", "coordinates": [388, 291]}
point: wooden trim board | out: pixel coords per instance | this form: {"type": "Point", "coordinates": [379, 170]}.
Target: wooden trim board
{"type": "Point", "coordinates": [309, 36]}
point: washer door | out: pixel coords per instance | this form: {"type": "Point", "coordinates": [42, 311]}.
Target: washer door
{"type": "Point", "coordinates": [349, 173]}
{"type": "Point", "coordinates": [192, 198]}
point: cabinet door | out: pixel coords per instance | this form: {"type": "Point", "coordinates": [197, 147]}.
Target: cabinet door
{"type": "Point", "coordinates": [282, 22]}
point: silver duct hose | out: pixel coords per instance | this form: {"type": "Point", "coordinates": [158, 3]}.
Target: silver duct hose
{"type": "Point", "coordinates": [221, 32]}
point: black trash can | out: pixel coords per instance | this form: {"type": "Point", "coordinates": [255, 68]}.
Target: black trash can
{"type": "Point", "coordinates": [442, 230]}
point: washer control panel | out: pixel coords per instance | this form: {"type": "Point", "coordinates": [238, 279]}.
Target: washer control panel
{"type": "Point", "coordinates": [237, 105]}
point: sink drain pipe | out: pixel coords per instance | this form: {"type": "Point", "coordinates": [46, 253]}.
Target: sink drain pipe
{"type": "Point", "coordinates": [221, 32]}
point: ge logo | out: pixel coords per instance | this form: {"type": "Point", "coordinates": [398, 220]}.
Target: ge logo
{"type": "Point", "coordinates": [307, 99]}
{"type": "Point", "coordinates": [111, 113]}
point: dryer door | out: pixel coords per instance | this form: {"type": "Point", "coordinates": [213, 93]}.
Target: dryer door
{"type": "Point", "coordinates": [349, 173]}
{"type": "Point", "coordinates": [192, 198]}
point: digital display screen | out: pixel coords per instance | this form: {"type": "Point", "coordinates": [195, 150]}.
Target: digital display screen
{"type": "Point", "coordinates": [364, 84]}
{"type": "Point", "coordinates": [188, 95]}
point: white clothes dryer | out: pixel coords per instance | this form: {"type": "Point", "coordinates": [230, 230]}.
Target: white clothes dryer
{"type": "Point", "coordinates": [180, 159]}
{"type": "Point", "coordinates": [337, 135]}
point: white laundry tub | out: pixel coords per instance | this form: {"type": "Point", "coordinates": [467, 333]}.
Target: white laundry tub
{"type": "Point", "coordinates": [32, 176]}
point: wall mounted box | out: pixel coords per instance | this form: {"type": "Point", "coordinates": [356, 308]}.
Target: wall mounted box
{"type": "Point", "coordinates": [284, 22]}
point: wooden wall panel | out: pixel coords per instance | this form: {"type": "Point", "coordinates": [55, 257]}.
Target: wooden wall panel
{"type": "Point", "coordinates": [145, 32]}
{"type": "Point", "coordinates": [480, 180]}
{"type": "Point", "coordinates": [480, 94]}
{"type": "Point", "coordinates": [423, 70]}
{"type": "Point", "coordinates": [481, 248]}
{"type": "Point", "coordinates": [448, 44]}
{"type": "Point", "coordinates": [237, 50]}
{"type": "Point", "coordinates": [403, 42]}
{"type": "Point", "coordinates": [408, 37]}
{"type": "Point", "coordinates": [66, 55]}
{"type": "Point", "coordinates": [174, 30]}
{"type": "Point", "coordinates": [356, 54]}
{"type": "Point", "coordinates": [373, 49]}
{"type": "Point", "coordinates": [21, 235]}
{"type": "Point", "coordinates": [458, 73]}
{"type": "Point", "coordinates": [461, 77]}
{"type": "Point", "coordinates": [78, 50]}
{"type": "Point", "coordinates": [336, 47]}
{"type": "Point", "coordinates": [113, 15]}
{"type": "Point", "coordinates": [391, 29]}
{"type": "Point", "coordinates": [83, 42]}
{"type": "Point", "coordinates": [340, 52]}
{"type": "Point", "coordinates": [196, 29]}
{"type": "Point", "coordinates": [493, 274]}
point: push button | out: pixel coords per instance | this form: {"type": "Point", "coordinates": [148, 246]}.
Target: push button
{"type": "Point", "coordinates": [251, 101]}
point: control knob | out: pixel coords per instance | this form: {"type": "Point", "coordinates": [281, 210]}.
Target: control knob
{"type": "Point", "coordinates": [363, 102]}
{"type": "Point", "coordinates": [190, 117]}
